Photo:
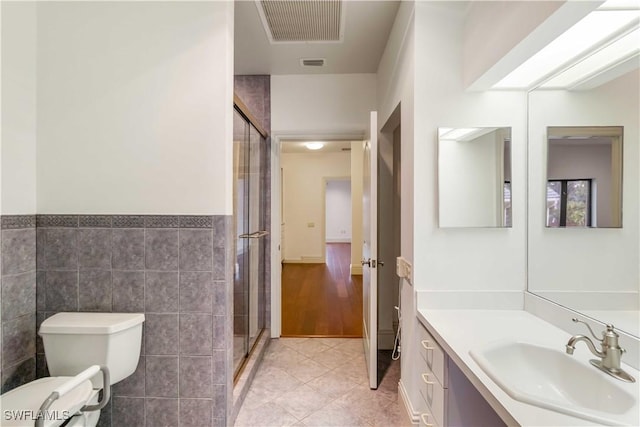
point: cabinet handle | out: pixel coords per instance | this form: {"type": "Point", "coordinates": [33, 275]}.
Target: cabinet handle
{"type": "Point", "coordinates": [425, 378]}
{"type": "Point", "coordinates": [425, 344]}
{"type": "Point", "coordinates": [425, 420]}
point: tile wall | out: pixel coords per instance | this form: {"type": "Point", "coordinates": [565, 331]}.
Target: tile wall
{"type": "Point", "coordinates": [177, 270]}
{"type": "Point", "coordinates": [18, 299]}
{"type": "Point", "coordinates": [174, 269]}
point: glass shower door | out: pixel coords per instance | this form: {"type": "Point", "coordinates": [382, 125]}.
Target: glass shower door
{"type": "Point", "coordinates": [257, 233]}
{"type": "Point", "coordinates": [249, 153]}
{"type": "Point", "coordinates": [241, 220]}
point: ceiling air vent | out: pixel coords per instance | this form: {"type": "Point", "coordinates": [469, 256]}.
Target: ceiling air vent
{"type": "Point", "coordinates": [301, 20]}
{"type": "Point", "coordinates": [312, 62]}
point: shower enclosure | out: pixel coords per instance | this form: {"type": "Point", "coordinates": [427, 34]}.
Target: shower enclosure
{"type": "Point", "coordinates": [249, 157]}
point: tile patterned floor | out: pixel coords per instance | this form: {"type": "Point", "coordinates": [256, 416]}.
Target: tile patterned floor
{"type": "Point", "coordinates": [319, 382]}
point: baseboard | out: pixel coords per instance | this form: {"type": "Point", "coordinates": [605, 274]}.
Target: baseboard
{"type": "Point", "coordinates": [386, 339]}
{"type": "Point", "coordinates": [411, 417]}
{"type": "Point", "coordinates": [305, 260]}
{"type": "Point", "coordinates": [355, 270]}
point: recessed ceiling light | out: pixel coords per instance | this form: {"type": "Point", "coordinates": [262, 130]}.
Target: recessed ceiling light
{"type": "Point", "coordinates": [314, 145]}
{"type": "Point", "coordinates": [589, 33]}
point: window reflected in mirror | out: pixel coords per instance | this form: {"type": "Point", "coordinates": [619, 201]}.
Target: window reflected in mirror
{"type": "Point", "coordinates": [584, 177]}
{"type": "Point", "coordinates": [474, 177]}
{"type": "Point", "coordinates": [569, 203]}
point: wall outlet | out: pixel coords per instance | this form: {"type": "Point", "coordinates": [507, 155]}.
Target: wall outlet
{"type": "Point", "coordinates": [311, 224]}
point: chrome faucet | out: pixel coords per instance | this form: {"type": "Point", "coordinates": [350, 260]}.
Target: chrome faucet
{"type": "Point", "coordinates": [610, 354]}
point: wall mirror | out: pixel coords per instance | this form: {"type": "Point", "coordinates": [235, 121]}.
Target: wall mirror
{"type": "Point", "coordinates": [474, 177]}
{"type": "Point", "coordinates": [584, 176]}
{"type": "Point", "coordinates": [594, 272]}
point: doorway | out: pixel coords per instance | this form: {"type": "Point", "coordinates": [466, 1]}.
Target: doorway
{"type": "Point", "coordinates": [319, 296]}
{"type": "Point", "coordinates": [389, 242]}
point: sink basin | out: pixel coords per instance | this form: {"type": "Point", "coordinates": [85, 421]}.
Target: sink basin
{"type": "Point", "coordinates": [551, 379]}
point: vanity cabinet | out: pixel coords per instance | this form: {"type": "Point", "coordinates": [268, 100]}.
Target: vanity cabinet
{"type": "Point", "coordinates": [448, 396]}
{"type": "Point", "coordinates": [433, 379]}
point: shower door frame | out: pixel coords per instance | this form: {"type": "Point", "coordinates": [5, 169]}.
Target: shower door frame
{"type": "Point", "coordinates": [254, 240]}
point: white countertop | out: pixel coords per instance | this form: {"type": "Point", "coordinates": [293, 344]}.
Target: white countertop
{"type": "Point", "coordinates": [460, 331]}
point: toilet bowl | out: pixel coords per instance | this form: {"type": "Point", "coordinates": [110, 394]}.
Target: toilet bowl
{"type": "Point", "coordinates": [78, 348]}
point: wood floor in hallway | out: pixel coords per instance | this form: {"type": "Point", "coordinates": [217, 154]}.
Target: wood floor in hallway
{"type": "Point", "coordinates": [322, 299]}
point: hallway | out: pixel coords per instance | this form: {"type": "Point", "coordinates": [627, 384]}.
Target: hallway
{"type": "Point", "coordinates": [319, 382]}
{"type": "Point", "coordinates": [322, 299]}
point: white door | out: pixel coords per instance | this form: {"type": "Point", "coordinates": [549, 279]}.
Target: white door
{"type": "Point", "coordinates": [281, 215]}
{"type": "Point", "coordinates": [370, 251]}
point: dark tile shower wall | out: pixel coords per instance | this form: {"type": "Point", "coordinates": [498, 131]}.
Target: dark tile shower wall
{"type": "Point", "coordinates": [18, 300]}
{"type": "Point", "coordinates": [172, 268]}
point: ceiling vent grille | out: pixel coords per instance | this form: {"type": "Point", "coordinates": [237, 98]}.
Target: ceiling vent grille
{"type": "Point", "coordinates": [302, 20]}
{"type": "Point", "coordinates": [315, 62]}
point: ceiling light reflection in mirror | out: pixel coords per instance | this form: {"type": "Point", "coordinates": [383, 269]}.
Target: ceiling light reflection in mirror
{"type": "Point", "coordinates": [623, 49]}
{"type": "Point", "coordinates": [598, 28]}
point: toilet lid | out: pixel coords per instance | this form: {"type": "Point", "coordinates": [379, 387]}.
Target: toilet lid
{"type": "Point", "coordinates": [20, 406]}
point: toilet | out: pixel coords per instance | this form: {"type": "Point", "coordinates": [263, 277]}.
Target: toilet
{"type": "Point", "coordinates": [86, 353]}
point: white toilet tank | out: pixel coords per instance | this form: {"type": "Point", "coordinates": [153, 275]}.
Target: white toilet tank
{"type": "Point", "coordinates": [75, 341]}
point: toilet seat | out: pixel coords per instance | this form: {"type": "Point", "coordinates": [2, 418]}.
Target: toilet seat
{"type": "Point", "coordinates": [20, 406]}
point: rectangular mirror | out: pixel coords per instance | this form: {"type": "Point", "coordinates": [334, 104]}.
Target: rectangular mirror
{"type": "Point", "coordinates": [474, 177]}
{"type": "Point", "coordinates": [584, 176]}
{"type": "Point", "coordinates": [594, 272]}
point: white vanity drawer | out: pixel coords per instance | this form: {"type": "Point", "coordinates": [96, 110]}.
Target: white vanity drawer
{"type": "Point", "coordinates": [433, 394]}
{"type": "Point", "coordinates": [433, 355]}
{"type": "Point", "coordinates": [426, 420]}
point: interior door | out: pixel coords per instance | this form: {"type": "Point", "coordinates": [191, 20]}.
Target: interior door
{"type": "Point", "coordinates": [370, 251]}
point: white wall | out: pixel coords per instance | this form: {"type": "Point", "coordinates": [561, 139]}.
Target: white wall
{"type": "Point", "coordinates": [396, 90]}
{"type": "Point", "coordinates": [304, 181]}
{"type": "Point", "coordinates": [322, 104]}
{"type": "Point", "coordinates": [493, 259]}
{"type": "Point", "coordinates": [338, 211]}
{"type": "Point", "coordinates": [585, 259]}
{"type": "Point", "coordinates": [134, 107]}
{"type": "Point", "coordinates": [18, 139]}
{"type": "Point", "coordinates": [469, 190]}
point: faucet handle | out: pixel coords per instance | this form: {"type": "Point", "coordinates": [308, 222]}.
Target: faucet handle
{"type": "Point", "coordinates": [576, 320]}
{"type": "Point", "coordinates": [610, 328]}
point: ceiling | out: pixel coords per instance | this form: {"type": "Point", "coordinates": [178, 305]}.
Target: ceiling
{"type": "Point", "coordinates": [329, 147]}
{"type": "Point", "coordinates": [367, 25]}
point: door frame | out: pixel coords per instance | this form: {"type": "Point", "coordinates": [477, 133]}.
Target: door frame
{"type": "Point", "coordinates": [325, 181]}
{"type": "Point", "coordinates": [276, 220]}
